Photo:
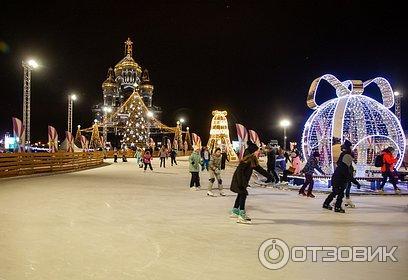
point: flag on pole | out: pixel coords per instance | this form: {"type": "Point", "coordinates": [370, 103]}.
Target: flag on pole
{"type": "Point", "coordinates": [83, 143]}
{"type": "Point", "coordinates": [52, 139]}
{"type": "Point", "coordinates": [19, 134]}
{"type": "Point", "coordinates": [242, 138]}
{"type": "Point", "coordinates": [253, 136]}
{"type": "Point", "coordinates": [70, 142]}
{"type": "Point", "coordinates": [196, 141]}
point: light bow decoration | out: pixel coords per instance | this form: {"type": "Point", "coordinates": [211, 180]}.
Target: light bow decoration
{"type": "Point", "coordinates": [19, 134]}
{"type": "Point", "coordinates": [196, 141]}
{"type": "Point", "coordinates": [70, 142]}
{"type": "Point", "coordinates": [52, 139]}
{"type": "Point", "coordinates": [242, 134]}
{"type": "Point", "coordinates": [368, 124]}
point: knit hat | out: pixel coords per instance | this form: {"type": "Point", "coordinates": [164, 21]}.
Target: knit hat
{"type": "Point", "coordinates": [346, 145]}
{"type": "Point", "coordinates": [252, 147]}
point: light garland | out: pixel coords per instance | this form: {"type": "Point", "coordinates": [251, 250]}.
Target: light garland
{"type": "Point", "coordinates": [367, 124]}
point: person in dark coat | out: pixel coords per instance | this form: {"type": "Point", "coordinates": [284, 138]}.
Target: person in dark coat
{"type": "Point", "coordinates": [240, 181]}
{"type": "Point", "coordinates": [309, 169]}
{"type": "Point", "coordinates": [271, 162]}
{"type": "Point", "coordinates": [173, 155]}
{"type": "Point", "coordinates": [342, 175]}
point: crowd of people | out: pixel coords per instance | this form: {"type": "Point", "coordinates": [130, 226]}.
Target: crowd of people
{"type": "Point", "coordinates": [280, 166]}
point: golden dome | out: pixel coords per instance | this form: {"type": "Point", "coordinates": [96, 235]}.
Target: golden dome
{"type": "Point", "coordinates": [146, 85]}
{"type": "Point", "coordinates": [109, 83]}
{"type": "Point", "coordinates": [127, 62]}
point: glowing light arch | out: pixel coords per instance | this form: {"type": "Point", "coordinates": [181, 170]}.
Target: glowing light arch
{"type": "Point", "coordinates": [351, 116]}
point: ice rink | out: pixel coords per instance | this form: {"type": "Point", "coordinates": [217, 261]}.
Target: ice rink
{"type": "Point", "coordinates": [117, 222]}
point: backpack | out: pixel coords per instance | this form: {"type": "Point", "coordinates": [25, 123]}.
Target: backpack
{"type": "Point", "coordinates": [379, 161]}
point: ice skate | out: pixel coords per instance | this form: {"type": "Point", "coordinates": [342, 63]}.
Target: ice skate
{"type": "Point", "coordinates": [302, 193]}
{"type": "Point", "coordinates": [234, 213]}
{"type": "Point", "coordinates": [311, 195]}
{"type": "Point", "coordinates": [222, 193]}
{"type": "Point", "coordinates": [349, 204]}
{"type": "Point", "coordinates": [339, 210]}
{"type": "Point", "coordinates": [210, 193]}
{"type": "Point", "coordinates": [198, 188]}
{"type": "Point", "coordinates": [193, 189]}
{"type": "Point", "coordinates": [243, 218]}
{"type": "Point", "coordinates": [327, 206]}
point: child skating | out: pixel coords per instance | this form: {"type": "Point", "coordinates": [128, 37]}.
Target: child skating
{"type": "Point", "coordinates": [194, 167]}
{"type": "Point", "coordinates": [147, 160]}
{"type": "Point", "coordinates": [215, 172]}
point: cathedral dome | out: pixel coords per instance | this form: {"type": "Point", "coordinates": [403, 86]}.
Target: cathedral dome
{"type": "Point", "coordinates": [109, 83]}
{"type": "Point", "coordinates": [127, 63]}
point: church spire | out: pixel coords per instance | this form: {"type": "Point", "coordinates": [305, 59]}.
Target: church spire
{"type": "Point", "coordinates": [128, 47]}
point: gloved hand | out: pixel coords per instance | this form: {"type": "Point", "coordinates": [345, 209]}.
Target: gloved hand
{"type": "Point", "coordinates": [358, 186]}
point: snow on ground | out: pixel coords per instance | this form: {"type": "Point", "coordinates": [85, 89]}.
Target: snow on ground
{"type": "Point", "coordinates": [117, 222]}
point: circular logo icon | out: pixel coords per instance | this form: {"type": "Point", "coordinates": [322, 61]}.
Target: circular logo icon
{"type": "Point", "coordinates": [274, 253]}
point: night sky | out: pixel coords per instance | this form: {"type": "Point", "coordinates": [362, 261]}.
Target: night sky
{"type": "Point", "coordinates": [254, 59]}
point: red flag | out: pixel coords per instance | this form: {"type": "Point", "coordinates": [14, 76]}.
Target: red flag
{"type": "Point", "coordinates": [253, 136]}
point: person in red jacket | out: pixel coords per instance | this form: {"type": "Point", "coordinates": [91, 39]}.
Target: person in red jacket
{"type": "Point", "coordinates": [387, 169]}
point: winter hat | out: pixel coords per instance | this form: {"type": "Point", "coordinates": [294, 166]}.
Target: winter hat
{"type": "Point", "coordinates": [252, 147]}
{"type": "Point", "coordinates": [346, 145]}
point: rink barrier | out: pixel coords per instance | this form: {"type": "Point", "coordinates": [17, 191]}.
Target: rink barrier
{"type": "Point", "coordinates": [131, 154]}
{"type": "Point", "coordinates": [17, 164]}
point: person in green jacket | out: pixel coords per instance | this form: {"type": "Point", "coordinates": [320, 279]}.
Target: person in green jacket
{"type": "Point", "coordinates": [194, 167]}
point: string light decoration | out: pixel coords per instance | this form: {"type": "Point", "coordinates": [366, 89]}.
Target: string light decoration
{"type": "Point", "coordinates": [369, 125]}
{"type": "Point", "coordinates": [136, 129]}
{"type": "Point", "coordinates": [219, 134]}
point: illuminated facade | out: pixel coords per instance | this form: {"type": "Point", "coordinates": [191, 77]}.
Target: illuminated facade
{"type": "Point", "coordinates": [219, 134]}
{"type": "Point", "coordinates": [368, 124]}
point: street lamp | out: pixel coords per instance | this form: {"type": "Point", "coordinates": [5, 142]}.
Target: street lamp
{"type": "Point", "coordinates": [284, 123]}
{"type": "Point", "coordinates": [28, 66]}
{"type": "Point", "coordinates": [71, 99]}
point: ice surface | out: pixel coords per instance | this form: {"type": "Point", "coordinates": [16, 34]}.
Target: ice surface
{"type": "Point", "coordinates": [117, 222]}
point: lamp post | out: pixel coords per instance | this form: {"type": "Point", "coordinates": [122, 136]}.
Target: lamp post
{"type": "Point", "coordinates": [71, 99]}
{"type": "Point", "coordinates": [180, 138]}
{"type": "Point", "coordinates": [28, 66]}
{"type": "Point", "coordinates": [106, 110]}
{"type": "Point", "coordinates": [397, 108]}
{"type": "Point", "coordinates": [284, 123]}
{"type": "Point", "coordinates": [150, 115]}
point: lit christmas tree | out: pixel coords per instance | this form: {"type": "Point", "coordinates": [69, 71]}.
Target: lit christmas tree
{"type": "Point", "coordinates": [78, 136]}
{"type": "Point", "coordinates": [136, 130]}
{"type": "Point", "coordinates": [95, 139]}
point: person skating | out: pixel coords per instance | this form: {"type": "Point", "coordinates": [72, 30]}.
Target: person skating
{"type": "Point", "coordinates": [240, 181]}
{"type": "Point", "coordinates": [205, 155]}
{"type": "Point", "coordinates": [194, 167]}
{"type": "Point", "coordinates": [342, 175]}
{"type": "Point", "coordinates": [163, 154]}
{"type": "Point", "coordinates": [147, 160]}
{"type": "Point", "coordinates": [138, 156]}
{"type": "Point", "coordinates": [115, 155]}
{"type": "Point", "coordinates": [309, 169]}
{"type": "Point", "coordinates": [347, 202]}
{"type": "Point", "coordinates": [124, 159]}
{"type": "Point", "coordinates": [173, 155]}
{"type": "Point", "coordinates": [271, 162]}
{"type": "Point", "coordinates": [215, 172]}
{"type": "Point", "coordinates": [387, 169]}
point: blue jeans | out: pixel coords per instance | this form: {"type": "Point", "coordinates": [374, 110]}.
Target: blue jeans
{"type": "Point", "coordinates": [205, 164]}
